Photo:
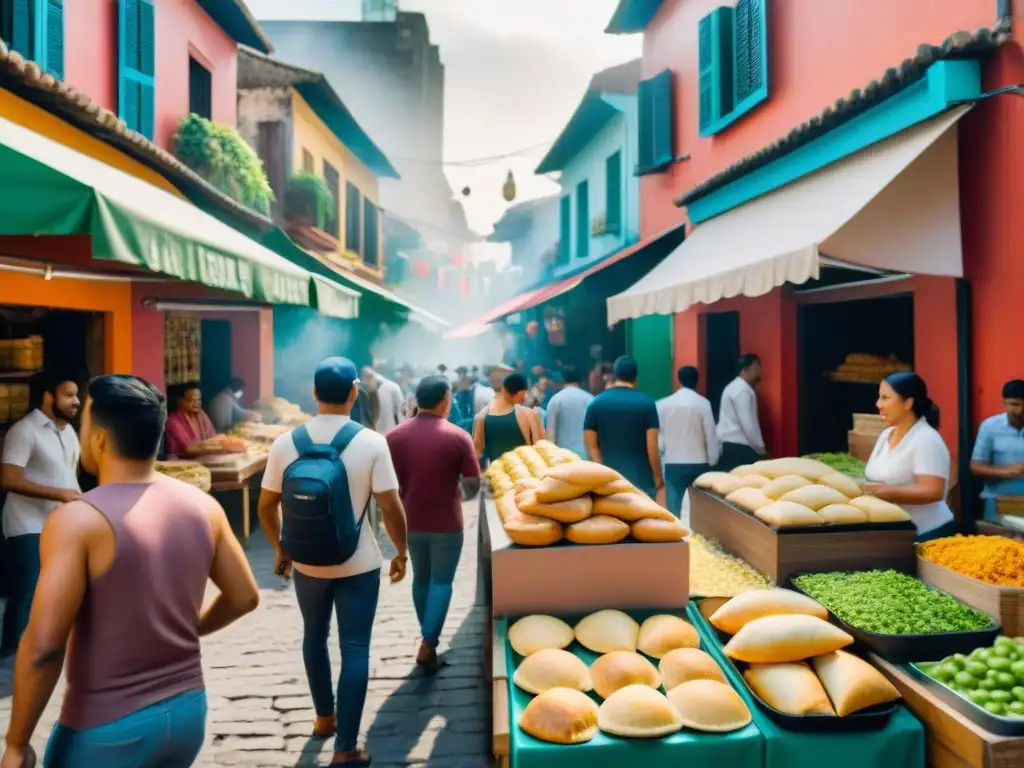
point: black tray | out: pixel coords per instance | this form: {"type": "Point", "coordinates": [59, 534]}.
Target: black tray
{"type": "Point", "coordinates": [871, 719]}
{"type": "Point", "coordinates": [787, 530]}
{"type": "Point", "coordinates": [903, 649]}
{"type": "Point", "coordinates": [1003, 726]}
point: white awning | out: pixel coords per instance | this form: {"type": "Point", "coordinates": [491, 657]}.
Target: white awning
{"type": "Point", "coordinates": [892, 206]}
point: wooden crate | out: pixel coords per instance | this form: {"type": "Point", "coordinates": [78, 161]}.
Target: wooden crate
{"type": "Point", "coordinates": [861, 445]}
{"type": "Point", "coordinates": [868, 424]}
{"type": "Point", "coordinates": [500, 746]}
{"type": "Point", "coordinates": [953, 741]}
{"type": "Point", "coordinates": [1004, 604]}
{"type": "Point", "coordinates": [780, 555]}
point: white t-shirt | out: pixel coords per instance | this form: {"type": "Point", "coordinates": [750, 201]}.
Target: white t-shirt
{"type": "Point", "coordinates": [48, 456]}
{"type": "Point", "coordinates": [482, 397]}
{"type": "Point", "coordinates": [737, 416]}
{"type": "Point", "coordinates": [920, 452]}
{"type": "Point", "coordinates": [391, 400]}
{"type": "Point", "coordinates": [368, 465]}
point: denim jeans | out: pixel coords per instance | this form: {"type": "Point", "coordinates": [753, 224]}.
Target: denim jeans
{"type": "Point", "coordinates": [435, 556]}
{"type": "Point", "coordinates": [22, 554]}
{"type": "Point", "coordinates": [940, 532]}
{"type": "Point", "coordinates": [354, 600]}
{"type": "Point", "coordinates": [736, 455]}
{"type": "Point", "coordinates": [678, 478]}
{"type": "Point", "coordinates": [165, 735]}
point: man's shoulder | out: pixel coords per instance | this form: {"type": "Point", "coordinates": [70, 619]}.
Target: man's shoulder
{"type": "Point", "coordinates": [993, 423]}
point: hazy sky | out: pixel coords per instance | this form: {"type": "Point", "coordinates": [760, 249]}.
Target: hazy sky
{"type": "Point", "coordinates": [515, 71]}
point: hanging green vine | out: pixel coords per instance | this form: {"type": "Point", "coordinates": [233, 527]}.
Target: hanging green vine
{"type": "Point", "coordinates": [220, 155]}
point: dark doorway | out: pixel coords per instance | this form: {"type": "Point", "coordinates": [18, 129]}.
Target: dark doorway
{"type": "Point", "coordinates": [722, 351]}
{"type": "Point", "coordinates": [215, 357]}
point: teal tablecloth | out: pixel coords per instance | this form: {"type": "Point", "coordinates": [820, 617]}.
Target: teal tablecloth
{"type": "Point", "coordinates": [740, 749]}
{"type": "Point", "coordinates": [901, 744]}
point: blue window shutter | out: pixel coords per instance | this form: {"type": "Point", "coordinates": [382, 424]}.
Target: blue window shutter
{"type": "Point", "coordinates": [22, 37]}
{"type": "Point", "coordinates": [565, 230]}
{"type": "Point", "coordinates": [147, 66]}
{"type": "Point", "coordinates": [51, 19]}
{"type": "Point", "coordinates": [582, 220]}
{"type": "Point", "coordinates": [661, 118]}
{"type": "Point", "coordinates": [136, 65]}
{"type": "Point", "coordinates": [751, 70]}
{"type": "Point", "coordinates": [716, 54]}
{"type": "Point", "coordinates": [613, 197]}
{"type": "Point", "coordinates": [645, 148]}
{"type": "Point", "coordinates": [707, 74]}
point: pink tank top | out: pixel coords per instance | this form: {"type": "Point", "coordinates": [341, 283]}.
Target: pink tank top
{"type": "Point", "coordinates": [136, 639]}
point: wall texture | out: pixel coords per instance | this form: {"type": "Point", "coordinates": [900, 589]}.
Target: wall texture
{"type": "Point", "coordinates": [90, 49]}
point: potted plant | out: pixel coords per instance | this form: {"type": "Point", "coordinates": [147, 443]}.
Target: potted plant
{"type": "Point", "coordinates": [308, 201]}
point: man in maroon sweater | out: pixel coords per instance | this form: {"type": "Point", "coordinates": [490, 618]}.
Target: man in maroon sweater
{"type": "Point", "coordinates": [430, 455]}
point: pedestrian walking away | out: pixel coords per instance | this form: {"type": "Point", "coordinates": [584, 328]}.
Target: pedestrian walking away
{"type": "Point", "coordinates": [39, 473]}
{"type": "Point", "coordinates": [316, 491]}
{"type": "Point", "coordinates": [566, 413]}
{"type": "Point", "coordinates": [430, 456]}
{"type": "Point", "coordinates": [688, 435]}
{"type": "Point", "coordinates": [739, 428]}
{"type": "Point", "coordinates": [125, 569]}
{"type": "Point", "coordinates": [621, 431]}
{"type": "Point", "coordinates": [506, 423]}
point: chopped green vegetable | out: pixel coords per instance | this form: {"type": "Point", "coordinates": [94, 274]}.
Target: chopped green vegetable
{"type": "Point", "coordinates": [840, 462]}
{"type": "Point", "coordinates": [892, 603]}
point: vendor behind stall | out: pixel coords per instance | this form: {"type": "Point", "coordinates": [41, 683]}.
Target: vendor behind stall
{"type": "Point", "coordinates": [189, 431]}
{"type": "Point", "coordinates": [226, 407]}
{"type": "Point", "coordinates": [998, 455]}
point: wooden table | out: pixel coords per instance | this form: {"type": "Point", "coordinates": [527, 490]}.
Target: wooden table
{"type": "Point", "coordinates": [236, 477]}
{"type": "Point", "coordinates": [953, 741]}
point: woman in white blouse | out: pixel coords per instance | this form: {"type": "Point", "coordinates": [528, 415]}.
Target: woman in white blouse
{"type": "Point", "coordinates": [910, 463]}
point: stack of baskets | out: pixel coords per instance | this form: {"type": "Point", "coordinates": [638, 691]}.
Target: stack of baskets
{"type": "Point", "coordinates": [21, 354]}
{"type": "Point", "coordinates": [14, 399]}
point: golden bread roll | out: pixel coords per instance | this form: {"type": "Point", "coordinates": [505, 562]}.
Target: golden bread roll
{"type": "Point", "coordinates": [662, 633]}
{"type": "Point", "coordinates": [505, 504]}
{"type": "Point", "coordinates": [846, 485]}
{"type": "Point", "coordinates": [658, 531]}
{"type": "Point", "coordinates": [879, 511]}
{"type": "Point", "coordinates": [708, 479]}
{"type": "Point", "coordinates": [685, 664]}
{"type": "Point", "coordinates": [793, 637]}
{"type": "Point", "coordinates": [780, 486]}
{"type": "Point", "coordinates": [745, 469]}
{"type": "Point", "coordinates": [618, 669]}
{"type": "Point", "coordinates": [842, 514]}
{"type": "Point", "coordinates": [726, 484]}
{"type": "Point", "coordinates": [788, 513]}
{"type": "Point", "coordinates": [631, 507]}
{"type": "Point", "coordinates": [750, 499]}
{"type": "Point", "coordinates": [815, 496]}
{"type": "Point", "coordinates": [599, 529]}
{"type": "Point", "coordinates": [531, 634]}
{"type": "Point", "coordinates": [811, 469]}
{"type": "Point", "coordinates": [529, 484]}
{"type": "Point", "coordinates": [790, 687]}
{"type": "Point", "coordinates": [606, 631]}
{"type": "Point", "coordinates": [621, 485]}
{"type": "Point", "coordinates": [709, 605]}
{"type": "Point", "coordinates": [533, 531]}
{"type": "Point", "coordinates": [709, 705]}
{"type": "Point", "coordinates": [550, 490]}
{"type": "Point", "coordinates": [561, 716]}
{"type": "Point", "coordinates": [851, 683]}
{"type": "Point", "coordinates": [552, 668]}
{"type": "Point", "coordinates": [638, 712]}
{"type": "Point", "coordinates": [758, 603]}
{"type": "Point", "coordinates": [754, 481]}
{"type": "Point", "coordinates": [584, 474]}
{"type": "Point", "coordinates": [571, 511]}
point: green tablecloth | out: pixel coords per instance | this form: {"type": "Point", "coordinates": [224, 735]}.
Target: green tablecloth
{"type": "Point", "coordinates": [901, 744]}
{"type": "Point", "coordinates": [740, 749]}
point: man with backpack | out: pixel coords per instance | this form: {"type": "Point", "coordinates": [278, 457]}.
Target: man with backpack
{"type": "Point", "coordinates": [316, 491]}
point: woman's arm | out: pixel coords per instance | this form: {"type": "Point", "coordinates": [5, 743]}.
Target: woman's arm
{"type": "Point", "coordinates": [926, 489]}
{"type": "Point", "coordinates": [478, 433]}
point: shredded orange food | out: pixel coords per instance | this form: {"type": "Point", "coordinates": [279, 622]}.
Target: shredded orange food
{"type": "Point", "coordinates": [992, 559]}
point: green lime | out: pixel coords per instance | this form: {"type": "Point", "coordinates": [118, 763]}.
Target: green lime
{"type": "Point", "coordinates": [1002, 650]}
{"type": "Point", "coordinates": [991, 674]}
{"type": "Point", "coordinates": [977, 668]}
{"type": "Point", "coordinates": [1006, 681]}
{"type": "Point", "coordinates": [987, 685]}
{"type": "Point", "coordinates": [994, 707]}
{"type": "Point", "coordinates": [1017, 668]}
{"type": "Point", "coordinates": [982, 654]}
{"type": "Point", "coordinates": [946, 672]}
{"type": "Point", "coordinates": [980, 697]}
{"type": "Point", "coordinates": [966, 680]}
{"type": "Point", "coordinates": [959, 660]}
{"type": "Point", "coordinates": [1002, 697]}
{"type": "Point", "coordinates": [1018, 692]}
{"type": "Point", "coordinates": [1000, 663]}
{"type": "Point", "coordinates": [1004, 640]}
{"type": "Point", "coordinates": [1016, 708]}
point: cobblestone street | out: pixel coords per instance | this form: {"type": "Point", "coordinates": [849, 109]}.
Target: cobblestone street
{"type": "Point", "coordinates": [260, 710]}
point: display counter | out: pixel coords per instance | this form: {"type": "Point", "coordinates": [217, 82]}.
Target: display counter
{"type": "Point", "coordinates": [236, 476]}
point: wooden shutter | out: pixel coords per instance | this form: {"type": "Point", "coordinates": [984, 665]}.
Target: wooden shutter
{"type": "Point", "coordinates": [51, 40]}
{"type": "Point", "coordinates": [371, 241]}
{"type": "Point", "coordinates": [751, 51]}
{"type": "Point", "coordinates": [661, 118]}
{"type": "Point", "coordinates": [715, 52]}
{"type": "Point", "coordinates": [353, 219]}
{"type": "Point", "coordinates": [333, 181]}
{"type": "Point", "coordinates": [707, 75]}
{"type": "Point", "coordinates": [613, 194]}
{"type": "Point", "coordinates": [582, 220]}
{"type": "Point", "coordinates": [565, 230]}
{"type": "Point", "coordinates": [645, 132]}
{"type": "Point", "coordinates": [307, 162]}
{"type": "Point", "coordinates": [136, 65]}
{"type": "Point", "coordinates": [18, 28]}
{"type": "Point", "coordinates": [271, 148]}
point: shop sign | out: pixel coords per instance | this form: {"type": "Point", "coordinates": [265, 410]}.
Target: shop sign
{"type": "Point", "coordinates": [165, 252]}
{"type": "Point", "coordinates": [278, 288]}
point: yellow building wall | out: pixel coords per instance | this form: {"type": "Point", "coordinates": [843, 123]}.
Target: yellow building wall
{"type": "Point", "coordinates": [310, 134]}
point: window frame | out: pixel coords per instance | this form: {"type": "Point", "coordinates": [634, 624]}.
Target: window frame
{"type": "Point", "coordinates": [352, 192]}
{"type": "Point", "coordinates": [614, 225]}
{"type": "Point", "coordinates": [655, 105]}
{"type": "Point", "coordinates": [196, 67]}
{"type": "Point", "coordinates": [583, 220]}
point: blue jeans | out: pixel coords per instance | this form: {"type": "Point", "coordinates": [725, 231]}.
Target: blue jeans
{"type": "Point", "coordinates": [678, 478]}
{"type": "Point", "coordinates": [435, 556]}
{"type": "Point", "coordinates": [22, 554]}
{"type": "Point", "coordinates": [354, 600]}
{"type": "Point", "coordinates": [941, 532]}
{"type": "Point", "coordinates": [165, 735]}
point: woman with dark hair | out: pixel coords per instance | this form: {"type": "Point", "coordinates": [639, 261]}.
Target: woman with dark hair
{"type": "Point", "coordinates": [910, 463]}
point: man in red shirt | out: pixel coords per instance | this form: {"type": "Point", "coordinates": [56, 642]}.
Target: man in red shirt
{"type": "Point", "coordinates": [430, 455]}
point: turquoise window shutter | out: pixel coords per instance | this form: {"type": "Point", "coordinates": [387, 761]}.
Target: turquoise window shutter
{"type": "Point", "coordinates": [661, 118]}
{"type": "Point", "coordinates": [613, 194]}
{"type": "Point", "coordinates": [645, 114]}
{"type": "Point", "coordinates": [582, 220]}
{"type": "Point", "coordinates": [50, 40]}
{"type": "Point", "coordinates": [22, 37]}
{"type": "Point", "coordinates": [751, 78]}
{"type": "Point", "coordinates": [136, 65]}
{"type": "Point", "coordinates": [565, 230]}
{"type": "Point", "coordinates": [715, 51]}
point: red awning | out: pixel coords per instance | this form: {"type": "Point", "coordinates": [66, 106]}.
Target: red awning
{"type": "Point", "coordinates": [537, 296]}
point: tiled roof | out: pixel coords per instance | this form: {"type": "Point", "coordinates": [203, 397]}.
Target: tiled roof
{"type": "Point", "coordinates": [25, 79]}
{"type": "Point", "coordinates": [859, 100]}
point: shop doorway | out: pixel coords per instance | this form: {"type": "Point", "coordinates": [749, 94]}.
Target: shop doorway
{"type": "Point", "coordinates": [844, 349]}
{"type": "Point", "coordinates": [215, 357]}
{"type": "Point", "coordinates": [722, 351]}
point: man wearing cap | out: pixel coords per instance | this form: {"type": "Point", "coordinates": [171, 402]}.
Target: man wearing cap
{"type": "Point", "coordinates": [349, 589]}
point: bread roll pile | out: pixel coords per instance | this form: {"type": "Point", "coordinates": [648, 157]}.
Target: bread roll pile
{"type": "Point", "coordinates": [258, 437]}
{"type": "Point", "coordinates": [544, 494]}
{"type": "Point", "coordinates": [791, 492]}
{"type": "Point", "coordinates": [190, 472]}
{"type": "Point", "coordinates": [860, 368]}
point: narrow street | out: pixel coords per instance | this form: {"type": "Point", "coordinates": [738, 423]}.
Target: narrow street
{"type": "Point", "coordinates": [260, 710]}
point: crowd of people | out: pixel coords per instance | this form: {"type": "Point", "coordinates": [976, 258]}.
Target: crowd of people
{"type": "Point", "coordinates": [123, 568]}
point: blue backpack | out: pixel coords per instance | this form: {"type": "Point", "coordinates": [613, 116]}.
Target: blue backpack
{"type": "Point", "coordinates": [318, 526]}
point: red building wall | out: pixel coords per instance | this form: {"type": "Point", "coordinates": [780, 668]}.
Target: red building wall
{"type": "Point", "coordinates": [90, 49]}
